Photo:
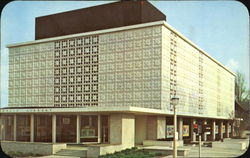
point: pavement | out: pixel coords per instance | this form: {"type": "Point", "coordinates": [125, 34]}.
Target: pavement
{"type": "Point", "coordinates": [194, 151]}
{"type": "Point", "coordinates": [214, 152]}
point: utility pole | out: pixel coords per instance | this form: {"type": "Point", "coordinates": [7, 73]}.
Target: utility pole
{"type": "Point", "coordinates": [199, 145]}
{"type": "Point", "coordinates": [175, 101]}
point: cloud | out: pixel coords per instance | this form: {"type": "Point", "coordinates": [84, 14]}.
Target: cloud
{"type": "Point", "coordinates": [232, 64]}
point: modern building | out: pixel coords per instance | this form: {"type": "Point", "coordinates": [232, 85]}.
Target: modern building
{"type": "Point", "coordinates": [90, 77]}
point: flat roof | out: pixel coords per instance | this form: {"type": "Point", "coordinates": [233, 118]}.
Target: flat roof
{"type": "Point", "coordinates": [164, 23]}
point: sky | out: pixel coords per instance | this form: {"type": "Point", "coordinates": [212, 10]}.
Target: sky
{"type": "Point", "coordinates": [221, 28]}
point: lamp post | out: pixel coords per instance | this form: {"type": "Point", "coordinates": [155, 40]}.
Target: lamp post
{"type": "Point", "coordinates": [174, 102]}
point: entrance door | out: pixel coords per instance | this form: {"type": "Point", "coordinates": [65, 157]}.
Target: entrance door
{"type": "Point", "coordinates": [66, 128]}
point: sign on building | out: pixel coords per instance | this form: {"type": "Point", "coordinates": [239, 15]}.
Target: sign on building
{"type": "Point", "coordinates": [170, 131]}
{"type": "Point", "coordinates": [206, 128]}
{"type": "Point", "coordinates": [185, 130]}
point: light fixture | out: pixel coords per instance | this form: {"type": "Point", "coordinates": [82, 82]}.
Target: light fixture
{"type": "Point", "coordinates": [174, 100]}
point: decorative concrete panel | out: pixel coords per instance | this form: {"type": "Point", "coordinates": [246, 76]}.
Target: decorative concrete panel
{"type": "Point", "coordinates": [203, 86]}
{"type": "Point", "coordinates": [129, 61]}
{"type": "Point", "coordinates": [30, 75]}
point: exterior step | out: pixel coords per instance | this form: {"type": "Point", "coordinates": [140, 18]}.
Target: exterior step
{"type": "Point", "coordinates": [73, 152]}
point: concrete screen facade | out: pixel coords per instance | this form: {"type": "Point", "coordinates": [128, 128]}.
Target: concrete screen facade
{"type": "Point", "coordinates": [142, 66]}
{"type": "Point", "coordinates": [114, 86]}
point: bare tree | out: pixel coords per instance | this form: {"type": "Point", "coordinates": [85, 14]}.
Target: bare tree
{"type": "Point", "coordinates": [241, 91]}
{"type": "Point", "coordinates": [242, 96]}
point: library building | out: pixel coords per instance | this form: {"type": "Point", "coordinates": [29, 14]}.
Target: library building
{"type": "Point", "coordinates": [105, 83]}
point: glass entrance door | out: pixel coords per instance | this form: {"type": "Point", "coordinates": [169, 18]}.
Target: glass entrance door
{"type": "Point", "coordinates": [66, 128]}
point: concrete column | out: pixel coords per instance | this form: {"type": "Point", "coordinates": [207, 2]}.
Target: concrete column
{"type": "Point", "coordinates": [232, 129]}
{"type": "Point", "coordinates": [140, 129]}
{"type": "Point", "coordinates": [32, 128]}
{"type": "Point", "coordinates": [227, 129]}
{"type": "Point", "coordinates": [151, 128]}
{"type": "Point", "coordinates": [54, 128]}
{"type": "Point", "coordinates": [220, 130]}
{"type": "Point", "coordinates": [14, 126]}
{"type": "Point", "coordinates": [99, 129]}
{"type": "Point", "coordinates": [2, 126]}
{"type": "Point", "coordinates": [2, 119]}
{"type": "Point", "coordinates": [161, 127]}
{"type": "Point", "coordinates": [128, 130]}
{"type": "Point", "coordinates": [180, 126]}
{"type": "Point", "coordinates": [213, 124]}
{"type": "Point", "coordinates": [122, 130]}
{"type": "Point", "coordinates": [193, 135]}
{"type": "Point", "coordinates": [115, 136]}
{"type": "Point", "coordinates": [78, 129]}
{"type": "Point", "coordinates": [204, 136]}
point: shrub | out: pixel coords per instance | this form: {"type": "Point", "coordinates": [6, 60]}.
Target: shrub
{"type": "Point", "coordinates": [134, 148]}
{"type": "Point", "coordinates": [158, 154]}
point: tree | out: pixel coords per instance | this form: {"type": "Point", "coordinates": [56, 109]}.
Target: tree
{"type": "Point", "coordinates": [241, 91]}
{"type": "Point", "coordinates": [242, 96]}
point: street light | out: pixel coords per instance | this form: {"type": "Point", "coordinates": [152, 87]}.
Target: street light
{"type": "Point", "coordinates": [174, 102]}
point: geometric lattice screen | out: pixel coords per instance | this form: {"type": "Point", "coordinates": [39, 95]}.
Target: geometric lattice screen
{"type": "Point", "coordinates": [76, 72]}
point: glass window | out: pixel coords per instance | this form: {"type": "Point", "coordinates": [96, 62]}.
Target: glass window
{"type": "Point", "coordinates": [23, 127]}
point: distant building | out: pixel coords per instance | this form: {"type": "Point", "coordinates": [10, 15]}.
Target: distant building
{"type": "Point", "coordinates": [90, 77]}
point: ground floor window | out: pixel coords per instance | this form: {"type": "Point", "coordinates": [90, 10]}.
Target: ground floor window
{"type": "Point", "coordinates": [66, 128]}
{"type": "Point", "coordinates": [23, 127]}
{"type": "Point", "coordinates": [8, 129]}
{"type": "Point", "coordinates": [89, 128]}
{"type": "Point", "coordinates": [104, 129]}
{"type": "Point", "coordinates": [42, 128]}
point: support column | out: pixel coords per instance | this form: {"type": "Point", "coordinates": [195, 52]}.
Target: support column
{"type": "Point", "coordinates": [54, 128]}
{"type": "Point", "coordinates": [220, 130]}
{"type": "Point", "coordinates": [2, 119]}
{"type": "Point", "coordinates": [99, 129]}
{"type": "Point", "coordinates": [14, 126]}
{"type": "Point", "coordinates": [204, 136]}
{"type": "Point", "coordinates": [32, 128]}
{"type": "Point", "coordinates": [180, 126]}
{"type": "Point", "coordinates": [1, 127]}
{"type": "Point", "coordinates": [227, 129]}
{"type": "Point", "coordinates": [161, 127]}
{"type": "Point", "coordinates": [193, 135]}
{"type": "Point", "coordinates": [213, 130]}
{"type": "Point", "coordinates": [232, 129]}
{"type": "Point", "coordinates": [78, 129]}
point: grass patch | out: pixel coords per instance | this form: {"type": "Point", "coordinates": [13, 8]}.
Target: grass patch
{"type": "Point", "coordinates": [131, 153]}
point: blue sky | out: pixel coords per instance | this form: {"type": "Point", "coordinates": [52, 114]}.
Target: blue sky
{"type": "Point", "coordinates": [221, 28]}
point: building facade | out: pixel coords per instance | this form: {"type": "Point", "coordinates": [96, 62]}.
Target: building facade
{"type": "Point", "coordinates": [113, 86]}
